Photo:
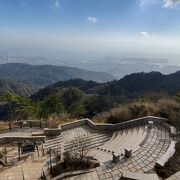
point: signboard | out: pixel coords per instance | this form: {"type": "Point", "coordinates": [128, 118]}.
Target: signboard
{"type": "Point", "coordinates": [27, 148]}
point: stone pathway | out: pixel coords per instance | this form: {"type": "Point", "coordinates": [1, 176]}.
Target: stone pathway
{"type": "Point", "coordinates": [21, 132]}
{"type": "Point", "coordinates": [31, 169]}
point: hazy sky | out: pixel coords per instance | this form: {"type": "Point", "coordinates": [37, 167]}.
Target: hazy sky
{"type": "Point", "coordinates": [138, 25]}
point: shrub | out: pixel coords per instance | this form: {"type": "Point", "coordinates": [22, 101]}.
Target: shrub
{"type": "Point", "coordinates": [164, 107]}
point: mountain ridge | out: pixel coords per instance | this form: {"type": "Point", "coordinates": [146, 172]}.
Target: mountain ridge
{"type": "Point", "coordinates": [43, 75]}
{"type": "Point", "coordinates": [16, 87]}
{"type": "Point", "coordinates": [131, 85]}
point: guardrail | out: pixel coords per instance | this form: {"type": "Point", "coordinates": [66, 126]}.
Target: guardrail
{"type": "Point", "coordinates": [22, 124]}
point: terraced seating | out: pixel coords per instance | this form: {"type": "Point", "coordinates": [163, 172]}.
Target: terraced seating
{"type": "Point", "coordinates": [93, 138]}
{"type": "Point", "coordinates": [143, 159]}
{"type": "Point", "coordinates": [147, 142]}
{"type": "Point", "coordinates": [54, 144]}
{"type": "Point", "coordinates": [153, 144]}
{"type": "Point", "coordinates": [121, 140]}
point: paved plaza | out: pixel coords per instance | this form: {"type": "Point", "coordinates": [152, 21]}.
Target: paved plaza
{"type": "Point", "coordinates": [21, 132]}
{"type": "Point", "coordinates": [30, 169]}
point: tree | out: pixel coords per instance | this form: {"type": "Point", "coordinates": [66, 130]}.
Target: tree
{"type": "Point", "coordinates": [19, 107]}
{"type": "Point", "coordinates": [78, 148]}
{"type": "Point", "coordinates": [73, 101]}
{"type": "Point", "coordinates": [3, 153]}
{"type": "Point", "coordinates": [24, 108]}
{"type": "Point", "coordinates": [50, 106]}
{"type": "Point", "coordinates": [71, 96]}
{"type": "Point", "coordinates": [77, 109]}
{"type": "Point", "coordinates": [96, 104]}
{"type": "Point", "coordinates": [9, 99]}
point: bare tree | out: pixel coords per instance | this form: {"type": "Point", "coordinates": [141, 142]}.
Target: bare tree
{"type": "Point", "coordinates": [76, 155]}
{"type": "Point", "coordinates": [79, 147]}
{"type": "Point", "coordinates": [3, 156]}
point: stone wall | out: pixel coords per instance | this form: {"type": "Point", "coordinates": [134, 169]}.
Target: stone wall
{"type": "Point", "coordinates": [52, 132]}
{"type": "Point", "coordinates": [118, 126]}
{"type": "Point", "coordinates": [98, 126]}
{"type": "Point", "coordinates": [74, 124]}
{"type": "Point", "coordinates": [127, 124]}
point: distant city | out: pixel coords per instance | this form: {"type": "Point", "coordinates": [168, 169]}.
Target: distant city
{"type": "Point", "coordinates": [118, 67]}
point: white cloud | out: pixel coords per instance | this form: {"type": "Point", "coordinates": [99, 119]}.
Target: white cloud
{"type": "Point", "coordinates": [144, 34]}
{"type": "Point", "coordinates": [57, 3]}
{"type": "Point", "coordinates": [92, 19]}
{"type": "Point", "coordinates": [146, 3]}
{"type": "Point", "coordinates": [171, 3]}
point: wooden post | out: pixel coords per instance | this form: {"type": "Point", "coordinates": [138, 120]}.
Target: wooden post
{"type": "Point", "coordinates": [42, 150]}
{"type": "Point", "coordinates": [19, 150]}
{"type": "Point", "coordinates": [5, 159]}
{"type": "Point", "coordinates": [20, 124]}
{"type": "Point", "coordinates": [9, 126]}
{"type": "Point", "coordinates": [37, 150]}
{"type": "Point", "coordinates": [19, 153]}
{"type": "Point", "coordinates": [40, 125]}
{"type": "Point", "coordinates": [35, 144]}
{"type": "Point", "coordinates": [22, 173]}
{"type": "Point", "coordinates": [50, 161]}
{"type": "Point", "coordinates": [14, 144]}
{"type": "Point", "coordinates": [30, 124]}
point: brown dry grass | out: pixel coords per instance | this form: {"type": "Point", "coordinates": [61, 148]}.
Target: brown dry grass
{"type": "Point", "coordinates": [4, 125]}
{"type": "Point", "coordinates": [126, 112]}
{"type": "Point", "coordinates": [165, 107]}
{"type": "Point", "coordinates": [56, 121]}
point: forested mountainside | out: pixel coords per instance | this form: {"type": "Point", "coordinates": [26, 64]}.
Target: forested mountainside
{"type": "Point", "coordinates": [130, 86]}
{"type": "Point", "coordinates": [43, 75]}
{"type": "Point", "coordinates": [16, 87]}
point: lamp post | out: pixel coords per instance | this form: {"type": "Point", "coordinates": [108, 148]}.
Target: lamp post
{"type": "Point", "coordinates": [50, 161]}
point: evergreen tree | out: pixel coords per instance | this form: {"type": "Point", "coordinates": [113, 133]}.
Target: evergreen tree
{"type": "Point", "coordinates": [50, 106]}
{"type": "Point", "coordinates": [10, 100]}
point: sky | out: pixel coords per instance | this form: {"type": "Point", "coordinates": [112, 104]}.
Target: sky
{"type": "Point", "coordinates": [91, 25]}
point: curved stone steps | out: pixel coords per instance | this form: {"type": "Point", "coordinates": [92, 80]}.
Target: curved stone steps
{"type": "Point", "coordinates": [120, 136]}
{"type": "Point", "coordinates": [90, 144]}
{"type": "Point", "coordinates": [129, 138]}
{"type": "Point", "coordinates": [121, 142]}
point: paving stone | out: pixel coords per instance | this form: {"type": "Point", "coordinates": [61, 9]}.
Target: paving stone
{"type": "Point", "coordinates": [125, 168]}
{"type": "Point", "coordinates": [102, 177]}
{"type": "Point", "coordinates": [116, 172]}
{"type": "Point", "coordinates": [130, 166]}
{"type": "Point", "coordinates": [133, 169]}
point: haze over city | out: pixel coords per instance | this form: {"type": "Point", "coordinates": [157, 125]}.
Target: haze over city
{"type": "Point", "coordinates": [104, 27]}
